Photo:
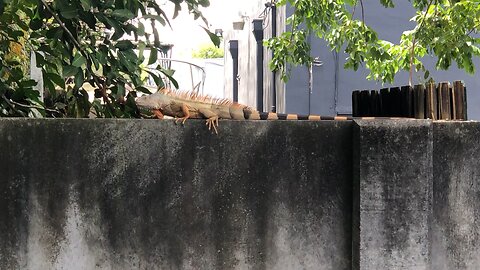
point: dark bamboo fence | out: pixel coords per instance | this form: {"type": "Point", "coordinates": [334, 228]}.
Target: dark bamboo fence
{"type": "Point", "coordinates": [438, 102]}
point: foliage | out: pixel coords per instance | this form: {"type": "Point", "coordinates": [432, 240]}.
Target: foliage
{"type": "Point", "coordinates": [444, 28]}
{"type": "Point", "coordinates": [80, 45]}
{"type": "Point", "coordinates": [208, 51]}
{"type": "Point", "coordinates": [16, 89]}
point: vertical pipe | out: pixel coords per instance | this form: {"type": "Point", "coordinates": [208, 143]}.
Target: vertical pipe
{"type": "Point", "coordinates": [310, 87]}
{"type": "Point", "coordinates": [258, 33]}
{"type": "Point", "coordinates": [337, 72]}
{"type": "Point", "coordinates": [36, 73]}
{"type": "Point", "coordinates": [274, 75]}
{"type": "Point", "coordinates": [310, 79]}
{"type": "Point", "coordinates": [233, 47]}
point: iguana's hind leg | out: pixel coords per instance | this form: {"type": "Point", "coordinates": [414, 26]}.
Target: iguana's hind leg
{"type": "Point", "coordinates": [186, 114]}
{"type": "Point", "coordinates": [212, 119]}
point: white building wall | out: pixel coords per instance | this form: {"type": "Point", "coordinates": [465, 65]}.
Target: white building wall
{"type": "Point", "coordinates": [247, 50]}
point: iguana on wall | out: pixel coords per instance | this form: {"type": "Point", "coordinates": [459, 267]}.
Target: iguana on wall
{"type": "Point", "coordinates": [184, 105]}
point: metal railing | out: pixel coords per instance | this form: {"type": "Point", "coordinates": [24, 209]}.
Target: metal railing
{"type": "Point", "coordinates": [196, 86]}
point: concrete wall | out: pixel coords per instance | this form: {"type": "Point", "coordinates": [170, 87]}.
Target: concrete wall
{"type": "Point", "coordinates": [128, 194]}
{"type": "Point", "coordinates": [456, 186]}
{"type": "Point", "coordinates": [149, 194]}
{"type": "Point", "coordinates": [392, 195]}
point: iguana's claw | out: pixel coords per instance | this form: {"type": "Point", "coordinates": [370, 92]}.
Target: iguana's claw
{"type": "Point", "coordinates": [212, 123]}
{"type": "Point", "coordinates": [183, 119]}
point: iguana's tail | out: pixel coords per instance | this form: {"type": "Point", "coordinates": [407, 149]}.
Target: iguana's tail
{"type": "Point", "coordinates": [254, 115]}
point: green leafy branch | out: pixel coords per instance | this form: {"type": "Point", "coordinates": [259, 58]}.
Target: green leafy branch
{"type": "Point", "coordinates": [335, 22]}
{"type": "Point", "coordinates": [82, 46]}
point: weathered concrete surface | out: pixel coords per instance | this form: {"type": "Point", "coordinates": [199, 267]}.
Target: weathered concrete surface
{"type": "Point", "coordinates": [456, 225]}
{"type": "Point", "coordinates": [146, 194]}
{"type": "Point", "coordinates": [392, 194]}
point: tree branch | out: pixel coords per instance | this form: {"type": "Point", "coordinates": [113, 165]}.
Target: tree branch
{"type": "Point", "coordinates": [11, 103]}
{"type": "Point", "coordinates": [410, 77]}
{"type": "Point", "coordinates": [62, 25]}
{"type": "Point", "coordinates": [34, 107]}
{"type": "Point", "coordinates": [412, 55]}
{"type": "Point", "coordinates": [473, 29]}
{"type": "Point", "coordinates": [363, 12]}
{"type": "Point", "coordinates": [354, 8]}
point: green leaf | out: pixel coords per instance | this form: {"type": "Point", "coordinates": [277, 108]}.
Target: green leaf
{"type": "Point", "coordinates": [79, 79]}
{"type": "Point", "coordinates": [40, 59]}
{"type": "Point", "coordinates": [86, 4]}
{"type": "Point", "coordinates": [124, 45]}
{"type": "Point", "coordinates": [169, 74]}
{"type": "Point", "coordinates": [28, 83]}
{"type": "Point", "coordinates": [120, 89]}
{"type": "Point", "coordinates": [123, 14]}
{"type": "Point", "coordinates": [177, 9]}
{"type": "Point", "coordinates": [143, 90]}
{"type": "Point", "coordinates": [141, 29]}
{"type": "Point", "coordinates": [127, 61]}
{"type": "Point", "coordinates": [56, 79]}
{"type": "Point", "coordinates": [141, 51]}
{"type": "Point", "coordinates": [79, 60]}
{"type": "Point", "coordinates": [153, 56]}
{"type": "Point", "coordinates": [69, 12]}
{"type": "Point", "coordinates": [214, 38]}
{"type": "Point", "coordinates": [117, 26]}
{"type": "Point", "coordinates": [156, 38]}
{"type": "Point", "coordinates": [158, 81]}
{"type": "Point", "coordinates": [54, 33]}
{"type": "Point", "coordinates": [102, 57]}
{"type": "Point", "coordinates": [36, 24]}
{"type": "Point", "coordinates": [118, 34]}
{"type": "Point", "coordinates": [69, 71]}
{"type": "Point", "coordinates": [48, 84]}
{"type": "Point", "coordinates": [158, 18]}
{"type": "Point", "coordinates": [89, 19]}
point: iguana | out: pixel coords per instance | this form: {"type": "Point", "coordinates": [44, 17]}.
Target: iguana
{"type": "Point", "coordinates": [184, 105]}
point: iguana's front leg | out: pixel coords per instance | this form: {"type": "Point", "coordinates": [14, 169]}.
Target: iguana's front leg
{"type": "Point", "coordinates": [158, 113]}
{"type": "Point", "coordinates": [212, 119]}
{"type": "Point", "coordinates": [186, 114]}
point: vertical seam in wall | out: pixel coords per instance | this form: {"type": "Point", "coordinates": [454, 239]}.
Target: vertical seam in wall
{"type": "Point", "coordinates": [430, 219]}
{"type": "Point", "coordinates": [355, 259]}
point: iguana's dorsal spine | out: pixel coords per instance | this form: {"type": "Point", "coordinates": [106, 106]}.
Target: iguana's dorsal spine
{"type": "Point", "coordinates": [197, 97]}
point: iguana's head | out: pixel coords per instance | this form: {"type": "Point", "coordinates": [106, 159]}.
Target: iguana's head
{"type": "Point", "coordinates": [153, 101]}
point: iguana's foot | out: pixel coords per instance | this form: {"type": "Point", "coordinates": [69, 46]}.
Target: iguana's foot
{"type": "Point", "coordinates": [212, 122]}
{"type": "Point", "coordinates": [182, 119]}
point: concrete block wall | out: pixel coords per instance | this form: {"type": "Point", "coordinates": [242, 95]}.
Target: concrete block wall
{"type": "Point", "coordinates": [139, 194]}
{"type": "Point", "coordinates": [393, 194]}
{"type": "Point", "coordinates": [456, 196]}
{"type": "Point", "coordinates": [148, 194]}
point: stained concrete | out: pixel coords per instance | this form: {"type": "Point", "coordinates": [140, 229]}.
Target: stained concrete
{"type": "Point", "coordinates": [456, 208]}
{"type": "Point", "coordinates": [392, 194]}
{"type": "Point", "coordinates": [147, 194]}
